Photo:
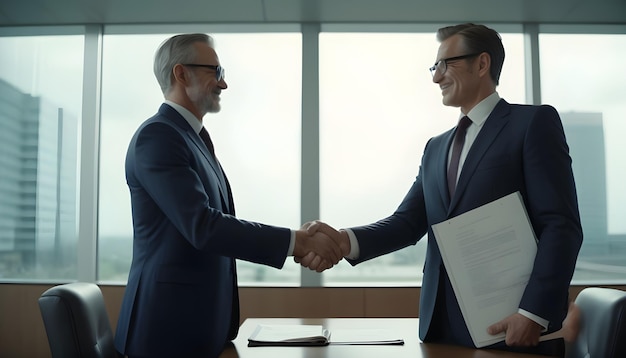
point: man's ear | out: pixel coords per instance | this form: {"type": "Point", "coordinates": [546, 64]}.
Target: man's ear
{"type": "Point", "coordinates": [180, 76]}
{"type": "Point", "coordinates": [484, 64]}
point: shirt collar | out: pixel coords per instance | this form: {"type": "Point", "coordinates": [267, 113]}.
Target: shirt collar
{"type": "Point", "coordinates": [483, 109]}
{"type": "Point", "coordinates": [189, 117]}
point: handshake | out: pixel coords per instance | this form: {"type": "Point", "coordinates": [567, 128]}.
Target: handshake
{"type": "Point", "coordinates": [319, 246]}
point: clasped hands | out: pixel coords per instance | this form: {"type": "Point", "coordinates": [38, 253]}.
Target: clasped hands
{"type": "Point", "coordinates": [319, 246]}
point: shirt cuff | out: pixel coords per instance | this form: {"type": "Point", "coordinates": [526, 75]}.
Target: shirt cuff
{"type": "Point", "coordinates": [354, 245]}
{"type": "Point", "coordinates": [292, 243]}
{"type": "Point", "coordinates": [542, 322]}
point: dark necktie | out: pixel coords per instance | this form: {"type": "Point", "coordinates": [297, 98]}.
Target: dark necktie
{"type": "Point", "coordinates": [206, 138]}
{"type": "Point", "coordinates": [457, 146]}
{"type": "Point", "coordinates": [226, 202]}
{"type": "Point", "coordinates": [230, 209]}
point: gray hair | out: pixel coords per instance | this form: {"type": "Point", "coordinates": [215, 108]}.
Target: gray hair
{"type": "Point", "coordinates": [176, 49]}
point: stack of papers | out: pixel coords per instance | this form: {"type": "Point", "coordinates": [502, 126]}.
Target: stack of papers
{"type": "Point", "coordinates": [289, 335]}
{"type": "Point", "coordinates": [316, 335]}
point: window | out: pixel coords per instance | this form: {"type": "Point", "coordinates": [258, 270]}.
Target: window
{"type": "Point", "coordinates": [587, 89]}
{"type": "Point", "coordinates": [40, 109]}
{"type": "Point", "coordinates": [256, 136]}
{"type": "Point", "coordinates": [378, 108]}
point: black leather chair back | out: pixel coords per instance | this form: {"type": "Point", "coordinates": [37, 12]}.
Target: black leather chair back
{"type": "Point", "coordinates": [76, 321]}
{"type": "Point", "coordinates": [603, 324]}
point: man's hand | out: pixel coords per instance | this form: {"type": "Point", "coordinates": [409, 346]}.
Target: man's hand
{"type": "Point", "coordinates": [321, 231]}
{"type": "Point", "coordinates": [340, 237]}
{"type": "Point", "coordinates": [571, 323]}
{"type": "Point", "coordinates": [316, 250]}
{"type": "Point", "coordinates": [519, 330]}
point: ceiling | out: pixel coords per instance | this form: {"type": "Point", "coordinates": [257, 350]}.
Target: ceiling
{"type": "Point", "coordinates": [66, 12]}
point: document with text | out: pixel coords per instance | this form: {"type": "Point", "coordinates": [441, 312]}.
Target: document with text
{"type": "Point", "coordinates": [489, 254]}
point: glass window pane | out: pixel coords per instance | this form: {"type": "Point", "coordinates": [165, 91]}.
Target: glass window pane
{"type": "Point", "coordinates": [40, 109]}
{"type": "Point", "coordinates": [587, 89]}
{"type": "Point", "coordinates": [378, 108]}
{"type": "Point", "coordinates": [256, 136]}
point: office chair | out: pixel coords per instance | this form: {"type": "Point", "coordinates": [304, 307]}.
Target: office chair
{"type": "Point", "coordinates": [76, 321]}
{"type": "Point", "coordinates": [603, 324]}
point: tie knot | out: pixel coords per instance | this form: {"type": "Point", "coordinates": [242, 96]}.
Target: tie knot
{"type": "Point", "coordinates": [464, 123]}
{"type": "Point", "coordinates": [206, 138]}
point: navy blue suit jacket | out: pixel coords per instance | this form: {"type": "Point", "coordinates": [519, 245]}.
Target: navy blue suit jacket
{"type": "Point", "coordinates": [520, 148]}
{"type": "Point", "coordinates": [181, 297]}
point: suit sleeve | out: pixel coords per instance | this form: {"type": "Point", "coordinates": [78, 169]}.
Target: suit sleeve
{"type": "Point", "coordinates": [553, 209]}
{"type": "Point", "coordinates": [404, 227]}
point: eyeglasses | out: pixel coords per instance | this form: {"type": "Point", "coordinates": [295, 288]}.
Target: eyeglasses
{"type": "Point", "coordinates": [219, 70]}
{"type": "Point", "coordinates": [442, 65]}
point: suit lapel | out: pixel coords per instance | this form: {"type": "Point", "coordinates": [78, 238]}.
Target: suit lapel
{"type": "Point", "coordinates": [492, 127]}
{"type": "Point", "coordinates": [223, 185]}
{"type": "Point", "coordinates": [213, 162]}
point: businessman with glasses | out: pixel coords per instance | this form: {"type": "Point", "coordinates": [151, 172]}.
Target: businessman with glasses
{"type": "Point", "coordinates": [497, 149]}
{"type": "Point", "coordinates": [181, 299]}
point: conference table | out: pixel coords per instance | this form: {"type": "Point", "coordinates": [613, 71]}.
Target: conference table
{"type": "Point", "coordinates": [405, 328]}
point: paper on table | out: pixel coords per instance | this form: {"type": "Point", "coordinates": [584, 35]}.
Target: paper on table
{"type": "Point", "coordinates": [316, 335]}
{"type": "Point", "coordinates": [364, 336]}
{"type": "Point", "coordinates": [288, 335]}
{"type": "Point", "coordinates": [489, 254]}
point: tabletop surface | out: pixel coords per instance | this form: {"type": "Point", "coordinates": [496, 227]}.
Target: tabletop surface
{"type": "Point", "coordinates": [405, 328]}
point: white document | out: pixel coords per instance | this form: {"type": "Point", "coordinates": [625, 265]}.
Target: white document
{"type": "Point", "coordinates": [489, 254]}
{"type": "Point", "coordinates": [288, 335]}
{"type": "Point", "coordinates": [364, 336]}
{"type": "Point", "coordinates": [316, 335]}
